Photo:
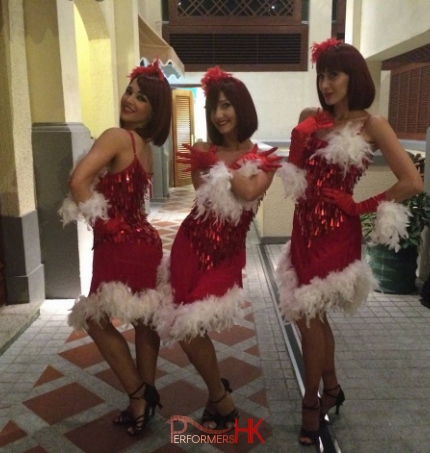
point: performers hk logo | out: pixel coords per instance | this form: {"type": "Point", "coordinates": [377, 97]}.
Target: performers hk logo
{"type": "Point", "coordinates": [211, 436]}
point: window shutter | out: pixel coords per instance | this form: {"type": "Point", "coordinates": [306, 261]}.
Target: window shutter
{"type": "Point", "coordinates": [409, 109]}
{"type": "Point", "coordinates": [183, 132]}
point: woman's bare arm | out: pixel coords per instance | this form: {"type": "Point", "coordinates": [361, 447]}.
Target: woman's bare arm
{"type": "Point", "coordinates": [102, 153]}
{"type": "Point", "coordinates": [409, 180]}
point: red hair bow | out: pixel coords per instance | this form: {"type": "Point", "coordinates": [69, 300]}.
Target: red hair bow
{"type": "Point", "coordinates": [152, 69]}
{"type": "Point", "coordinates": [214, 75]}
{"type": "Point", "coordinates": [318, 49]}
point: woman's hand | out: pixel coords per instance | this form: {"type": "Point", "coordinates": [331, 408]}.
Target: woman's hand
{"type": "Point", "coordinates": [301, 133]}
{"type": "Point", "coordinates": [345, 202]}
{"type": "Point", "coordinates": [111, 226]}
{"type": "Point", "coordinates": [196, 159]}
{"type": "Point", "coordinates": [269, 161]}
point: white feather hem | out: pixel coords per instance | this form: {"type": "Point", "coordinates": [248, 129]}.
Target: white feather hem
{"type": "Point", "coordinates": [294, 180]}
{"type": "Point", "coordinates": [392, 220]}
{"type": "Point", "coordinates": [187, 321]}
{"type": "Point", "coordinates": [345, 290]}
{"type": "Point", "coordinates": [114, 300]}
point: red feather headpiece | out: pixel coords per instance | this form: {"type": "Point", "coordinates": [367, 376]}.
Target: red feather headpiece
{"type": "Point", "coordinates": [318, 49]}
{"type": "Point", "coordinates": [214, 75]}
{"type": "Point", "coordinates": [152, 69]}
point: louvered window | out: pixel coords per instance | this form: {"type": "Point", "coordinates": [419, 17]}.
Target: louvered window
{"type": "Point", "coordinates": [238, 49]}
{"type": "Point", "coordinates": [183, 132]}
{"type": "Point", "coordinates": [409, 109]}
{"type": "Point", "coordinates": [257, 35]}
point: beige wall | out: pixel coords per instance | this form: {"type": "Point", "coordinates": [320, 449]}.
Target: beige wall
{"type": "Point", "coordinates": [389, 28]}
{"type": "Point", "coordinates": [151, 12]}
{"type": "Point", "coordinates": [127, 40]}
{"type": "Point", "coordinates": [16, 163]}
{"type": "Point", "coordinates": [43, 61]}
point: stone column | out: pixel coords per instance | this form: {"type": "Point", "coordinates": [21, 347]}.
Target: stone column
{"type": "Point", "coordinates": [66, 252]}
{"type": "Point", "coordinates": [19, 231]}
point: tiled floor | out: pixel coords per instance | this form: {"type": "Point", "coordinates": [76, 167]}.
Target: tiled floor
{"type": "Point", "coordinates": [57, 394]}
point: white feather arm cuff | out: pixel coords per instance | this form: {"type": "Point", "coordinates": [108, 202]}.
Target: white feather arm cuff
{"type": "Point", "coordinates": [94, 208]}
{"type": "Point", "coordinates": [391, 224]}
{"type": "Point", "coordinates": [294, 180]}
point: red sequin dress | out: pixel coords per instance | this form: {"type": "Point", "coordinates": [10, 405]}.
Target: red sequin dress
{"type": "Point", "coordinates": [208, 256]}
{"type": "Point", "coordinates": [321, 266]}
{"type": "Point", "coordinates": [125, 261]}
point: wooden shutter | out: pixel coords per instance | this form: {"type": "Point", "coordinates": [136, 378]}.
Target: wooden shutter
{"type": "Point", "coordinates": [409, 109]}
{"type": "Point", "coordinates": [183, 132]}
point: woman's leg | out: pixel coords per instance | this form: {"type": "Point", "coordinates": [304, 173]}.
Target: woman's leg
{"type": "Point", "coordinates": [147, 347]}
{"type": "Point", "coordinates": [201, 353]}
{"type": "Point", "coordinates": [314, 353]}
{"type": "Point", "coordinates": [331, 387]}
{"type": "Point", "coordinates": [329, 371]}
{"type": "Point", "coordinates": [115, 351]}
{"type": "Point", "coordinates": [314, 357]}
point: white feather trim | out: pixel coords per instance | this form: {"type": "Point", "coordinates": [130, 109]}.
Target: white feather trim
{"type": "Point", "coordinates": [90, 210]}
{"type": "Point", "coordinates": [114, 300]}
{"type": "Point", "coordinates": [345, 290]}
{"type": "Point", "coordinates": [214, 195]}
{"type": "Point", "coordinates": [249, 168]}
{"type": "Point", "coordinates": [186, 321]}
{"type": "Point", "coordinates": [392, 220]}
{"type": "Point", "coordinates": [94, 208]}
{"type": "Point", "coordinates": [294, 180]}
{"type": "Point", "coordinates": [347, 148]}
{"type": "Point", "coordinates": [163, 272]}
{"type": "Point", "coordinates": [69, 211]}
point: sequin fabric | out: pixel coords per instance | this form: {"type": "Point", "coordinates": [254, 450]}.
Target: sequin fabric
{"type": "Point", "coordinates": [214, 241]}
{"type": "Point", "coordinates": [125, 192]}
{"type": "Point", "coordinates": [316, 216]}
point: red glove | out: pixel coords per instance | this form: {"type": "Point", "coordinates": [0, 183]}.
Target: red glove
{"type": "Point", "coordinates": [345, 202]}
{"type": "Point", "coordinates": [110, 226]}
{"type": "Point", "coordinates": [196, 159]}
{"type": "Point", "coordinates": [269, 161]}
{"type": "Point", "coordinates": [302, 132]}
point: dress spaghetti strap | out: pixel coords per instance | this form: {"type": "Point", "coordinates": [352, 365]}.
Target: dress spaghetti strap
{"type": "Point", "coordinates": [132, 142]}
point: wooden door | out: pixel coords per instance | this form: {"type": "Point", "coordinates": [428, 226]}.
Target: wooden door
{"type": "Point", "coordinates": [182, 132]}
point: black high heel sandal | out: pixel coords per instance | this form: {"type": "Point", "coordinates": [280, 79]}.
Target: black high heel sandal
{"type": "Point", "coordinates": [152, 399]}
{"type": "Point", "coordinates": [311, 435]}
{"type": "Point", "coordinates": [339, 398]}
{"type": "Point", "coordinates": [125, 417]}
{"type": "Point", "coordinates": [214, 416]}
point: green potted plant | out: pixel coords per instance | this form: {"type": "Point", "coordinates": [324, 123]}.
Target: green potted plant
{"type": "Point", "coordinates": [396, 270]}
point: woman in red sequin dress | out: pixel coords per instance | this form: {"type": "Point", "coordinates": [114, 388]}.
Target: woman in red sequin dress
{"type": "Point", "coordinates": [230, 176]}
{"type": "Point", "coordinates": [108, 189]}
{"type": "Point", "coordinates": [321, 266]}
